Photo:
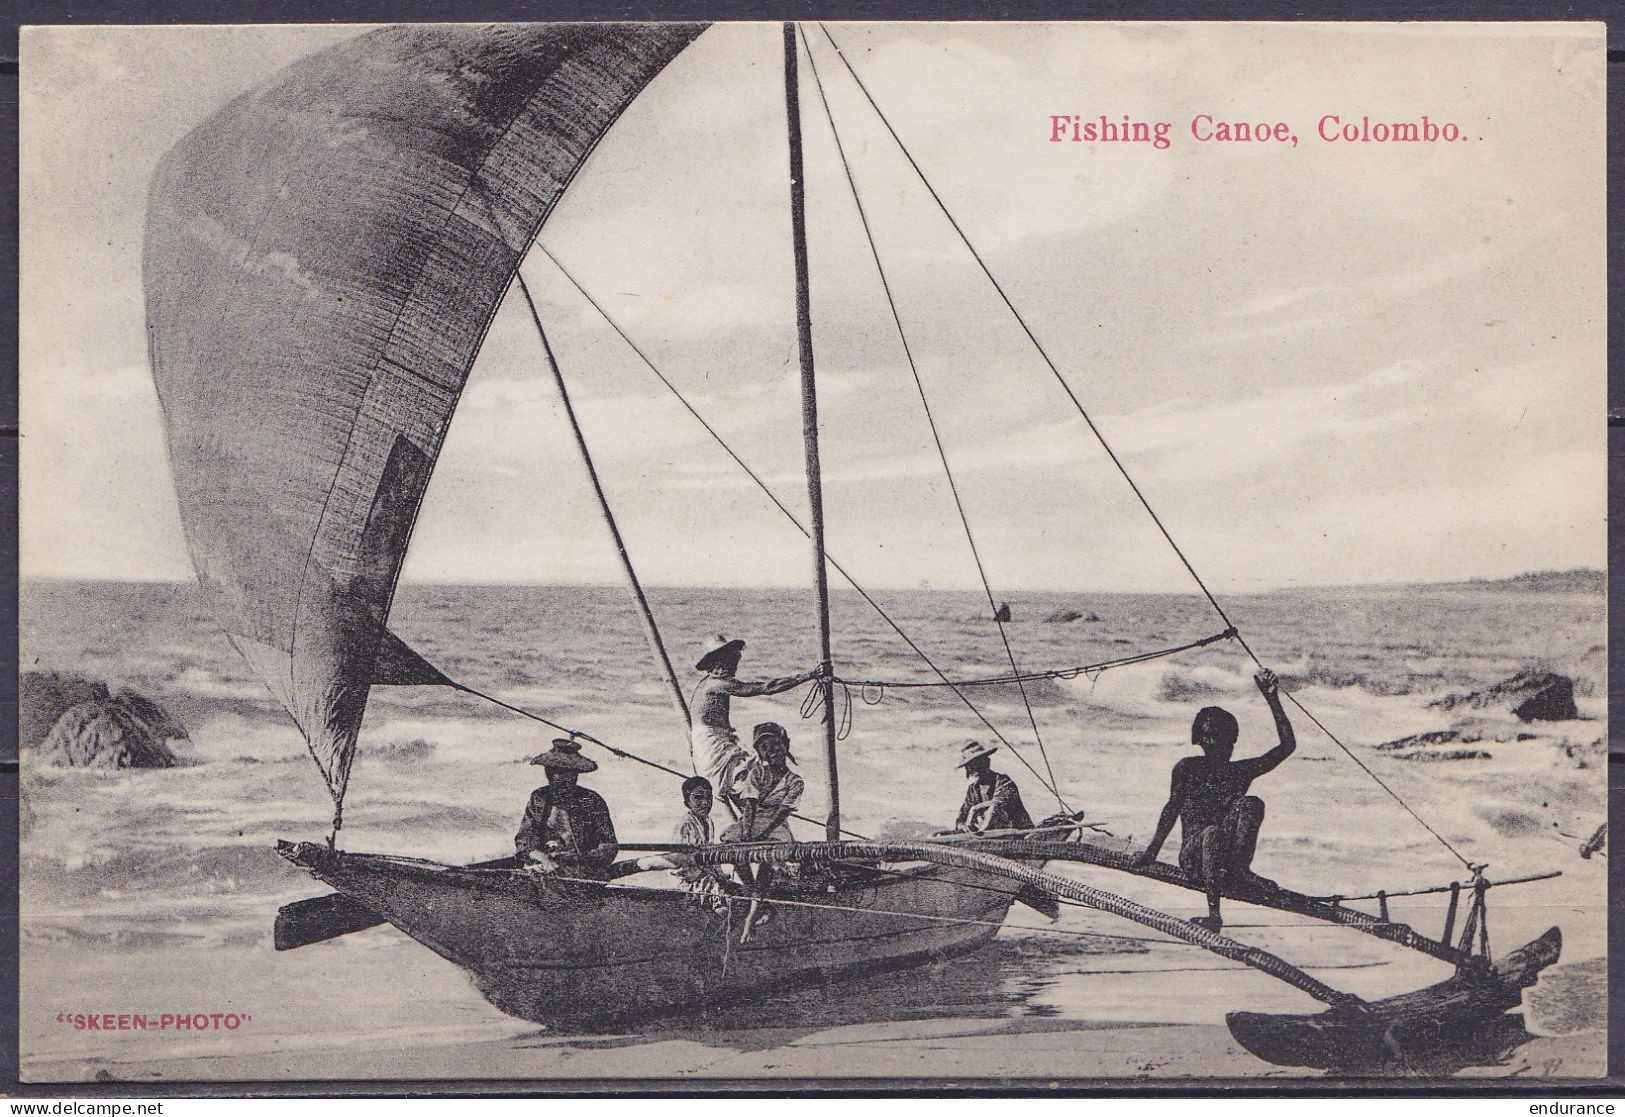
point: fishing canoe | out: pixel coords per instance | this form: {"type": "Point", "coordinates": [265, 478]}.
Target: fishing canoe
{"type": "Point", "coordinates": [576, 952]}
{"type": "Point", "coordinates": [305, 407]}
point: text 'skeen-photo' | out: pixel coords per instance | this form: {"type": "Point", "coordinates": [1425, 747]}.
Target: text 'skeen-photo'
{"type": "Point", "coordinates": [757, 553]}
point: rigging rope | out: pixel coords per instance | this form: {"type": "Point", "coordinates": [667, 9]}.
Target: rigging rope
{"type": "Point", "coordinates": [1091, 669]}
{"type": "Point", "coordinates": [1392, 794]}
{"type": "Point", "coordinates": [591, 740]}
{"type": "Point", "coordinates": [957, 919]}
{"type": "Point", "coordinates": [777, 503]}
{"type": "Point", "coordinates": [936, 434]}
{"type": "Point", "coordinates": [1069, 932]}
{"type": "Point", "coordinates": [651, 628]}
{"type": "Point", "coordinates": [1101, 438]}
{"type": "Point", "coordinates": [1441, 888]}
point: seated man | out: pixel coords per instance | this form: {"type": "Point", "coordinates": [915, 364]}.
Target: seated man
{"type": "Point", "coordinates": [566, 828]}
{"type": "Point", "coordinates": [1219, 821]}
{"type": "Point", "coordinates": [764, 795]}
{"type": "Point", "coordinates": [766, 791]}
{"type": "Point", "coordinates": [992, 801]}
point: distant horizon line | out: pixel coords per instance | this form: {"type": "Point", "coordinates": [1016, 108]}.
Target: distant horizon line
{"type": "Point", "coordinates": [1192, 592]}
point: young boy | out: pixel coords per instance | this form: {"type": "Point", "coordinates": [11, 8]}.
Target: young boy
{"type": "Point", "coordinates": [1219, 820]}
{"type": "Point", "coordinates": [696, 829]}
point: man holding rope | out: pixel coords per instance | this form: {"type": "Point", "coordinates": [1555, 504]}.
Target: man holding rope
{"type": "Point", "coordinates": [713, 743]}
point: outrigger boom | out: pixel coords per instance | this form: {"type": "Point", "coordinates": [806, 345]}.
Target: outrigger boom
{"type": "Point", "coordinates": [1281, 899]}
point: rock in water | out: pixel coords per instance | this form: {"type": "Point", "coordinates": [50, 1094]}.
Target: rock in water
{"type": "Point", "coordinates": [1532, 696]}
{"type": "Point", "coordinates": [163, 724]}
{"type": "Point", "coordinates": [1552, 702]}
{"type": "Point", "coordinates": [1067, 616]}
{"type": "Point", "coordinates": [43, 696]}
{"type": "Point", "coordinates": [107, 733]}
{"type": "Point", "coordinates": [1432, 737]}
{"type": "Point", "coordinates": [1432, 756]}
{"type": "Point", "coordinates": [1004, 612]}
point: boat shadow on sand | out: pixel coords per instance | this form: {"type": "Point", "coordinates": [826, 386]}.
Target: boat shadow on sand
{"type": "Point", "coordinates": [1001, 982]}
{"type": "Point", "coordinates": [1001, 990]}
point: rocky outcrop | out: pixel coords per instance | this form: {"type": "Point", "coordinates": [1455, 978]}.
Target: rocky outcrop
{"type": "Point", "coordinates": [1429, 756]}
{"type": "Point", "coordinates": [1531, 695]}
{"type": "Point", "coordinates": [43, 696]}
{"type": "Point", "coordinates": [127, 731]}
{"type": "Point", "coordinates": [1553, 700]}
{"type": "Point", "coordinates": [1067, 616]}
{"type": "Point", "coordinates": [1431, 739]}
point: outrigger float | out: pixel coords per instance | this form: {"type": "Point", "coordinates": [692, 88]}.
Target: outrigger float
{"type": "Point", "coordinates": [323, 259]}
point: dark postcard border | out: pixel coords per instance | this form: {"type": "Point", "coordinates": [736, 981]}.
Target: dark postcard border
{"type": "Point", "coordinates": [382, 11]}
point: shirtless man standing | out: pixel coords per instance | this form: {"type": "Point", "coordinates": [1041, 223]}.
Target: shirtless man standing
{"type": "Point", "coordinates": [713, 742]}
{"type": "Point", "coordinates": [1219, 821]}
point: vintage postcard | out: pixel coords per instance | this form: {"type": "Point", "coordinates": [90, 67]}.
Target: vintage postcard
{"type": "Point", "coordinates": [754, 552]}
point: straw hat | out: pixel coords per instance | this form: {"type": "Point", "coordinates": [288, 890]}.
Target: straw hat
{"type": "Point", "coordinates": [565, 755]}
{"type": "Point", "coordinates": [974, 750]}
{"type": "Point", "coordinates": [725, 654]}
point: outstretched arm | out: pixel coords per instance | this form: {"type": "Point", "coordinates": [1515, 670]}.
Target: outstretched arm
{"type": "Point", "coordinates": [1270, 687]}
{"type": "Point", "coordinates": [1170, 813]}
{"type": "Point", "coordinates": [741, 688]}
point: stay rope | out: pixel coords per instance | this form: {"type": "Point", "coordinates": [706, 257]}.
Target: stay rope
{"type": "Point", "coordinates": [1090, 669]}
{"type": "Point", "coordinates": [936, 434]}
{"type": "Point", "coordinates": [791, 516]}
{"type": "Point", "coordinates": [1105, 445]}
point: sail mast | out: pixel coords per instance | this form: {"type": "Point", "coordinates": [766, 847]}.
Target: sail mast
{"type": "Point", "coordinates": [650, 630]}
{"type": "Point", "coordinates": [809, 419]}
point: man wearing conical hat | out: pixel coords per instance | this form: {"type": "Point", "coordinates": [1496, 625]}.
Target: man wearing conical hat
{"type": "Point", "coordinates": [713, 742]}
{"type": "Point", "coordinates": [567, 828]}
{"type": "Point", "coordinates": [992, 800]}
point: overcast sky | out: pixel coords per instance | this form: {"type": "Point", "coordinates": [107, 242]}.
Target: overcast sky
{"type": "Point", "coordinates": [1331, 363]}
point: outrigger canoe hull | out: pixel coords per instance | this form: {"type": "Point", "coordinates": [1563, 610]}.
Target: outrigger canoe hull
{"type": "Point", "coordinates": [575, 953]}
{"type": "Point", "coordinates": [1412, 1026]}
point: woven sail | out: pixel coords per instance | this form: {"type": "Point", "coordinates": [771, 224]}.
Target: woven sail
{"type": "Point", "coordinates": [323, 258]}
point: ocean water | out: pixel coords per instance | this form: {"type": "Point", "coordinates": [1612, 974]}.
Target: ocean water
{"type": "Point", "coordinates": [155, 891]}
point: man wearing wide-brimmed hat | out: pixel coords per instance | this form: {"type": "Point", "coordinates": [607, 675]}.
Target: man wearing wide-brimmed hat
{"type": "Point", "coordinates": [713, 743]}
{"type": "Point", "coordinates": [566, 828]}
{"type": "Point", "coordinates": [992, 801]}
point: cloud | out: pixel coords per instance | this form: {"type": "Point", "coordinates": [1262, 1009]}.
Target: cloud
{"type": "Point", "coordinates": [1322, 364]}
